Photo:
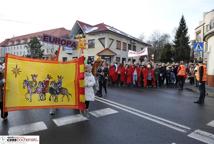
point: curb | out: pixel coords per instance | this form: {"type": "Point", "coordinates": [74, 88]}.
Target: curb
{"type": "Point", "coordinates": [197, 91]}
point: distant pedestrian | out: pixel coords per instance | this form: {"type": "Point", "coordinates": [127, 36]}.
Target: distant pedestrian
{"type": "Point", "coordinates": [181, 75]}
{"type": "Point", "coordinates": [201, 78]}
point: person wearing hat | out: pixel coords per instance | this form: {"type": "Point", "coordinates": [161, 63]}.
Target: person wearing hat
{"type": "Point", "coordinates": [201, 78]}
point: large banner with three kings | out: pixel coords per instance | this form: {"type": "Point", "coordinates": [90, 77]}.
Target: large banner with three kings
{"type": "Point", "coordinates": [35, 83]}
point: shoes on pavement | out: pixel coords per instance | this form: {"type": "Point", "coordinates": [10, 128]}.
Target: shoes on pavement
{"type": "Point", "coordinates": [87, 113]}
{"type": "Point", "coordinates": [198, 102]}
{"type": "Point", "coordinates": [5, 119]}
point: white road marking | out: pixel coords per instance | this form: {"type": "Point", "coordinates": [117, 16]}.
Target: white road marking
{"type": "Point", "coordinates": [69, 120]}
{"type": "Point", "coordinates": [28, 128]}
{"type": "Point", "coordinates": [211, 123]}
{"type": "Point", "coordinates": [103, 112]}
{"type": "Point", "coordinates": [202, 136]}
{"type": "Point", "coordinates": [156, 119]}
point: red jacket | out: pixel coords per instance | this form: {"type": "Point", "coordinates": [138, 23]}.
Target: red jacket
{"type": "Point", "coordinates": [112, 73]}
{"type": "Point", "coordinates": [129, 74]}
{"type": "Point", "coordinates": [123, 74]}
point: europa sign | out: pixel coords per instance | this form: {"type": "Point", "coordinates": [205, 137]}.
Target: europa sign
{"type": "Point", "coordinates": [59, 41]}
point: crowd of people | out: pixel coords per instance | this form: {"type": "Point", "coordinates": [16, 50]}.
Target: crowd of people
{"type": "Point", "coordinates": [147, 75]}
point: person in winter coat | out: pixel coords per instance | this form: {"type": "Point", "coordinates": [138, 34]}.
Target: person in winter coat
{"type": "Point", "coordinates": [145, 75]}
{"type": "Point", "coordinates": [112, 74]}
{"type": "Point", "coordinates": [157, 73]}
{"type": "Point", "coordinates": [122, 75]}
{"type": "Point", "coordinates": [135, 76]}
{"type": "Point", "coordinates": [150, 76]}
{"type": "Point", "coordinates": [2, 81]}
{"type": "Point", "coordinates": [119, 74]}
{"type": "Point", "coordinates": [181, 75]}
{"type": "Point", "coordinates": [89, 91]}
{"type": "Point", "coordinates": [138, 75]}
{"type": "Point", "coordinates": [129, 75]}
{"type": "Point", "coordinates": [102, 75]}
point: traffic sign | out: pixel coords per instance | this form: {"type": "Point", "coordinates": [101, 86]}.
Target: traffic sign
{"type": "Point", "coordinates": [198, 46]}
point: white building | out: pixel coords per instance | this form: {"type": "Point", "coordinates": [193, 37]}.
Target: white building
{"type": "Point", "coordinates": [17, 45]}
{"type": "Point", "coordinates": [106, 42]}
{"type": "Point", "coordinates": [205, 33]}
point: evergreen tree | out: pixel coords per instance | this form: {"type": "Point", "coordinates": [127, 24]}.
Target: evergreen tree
{"type": "Point", "coordinates": [34, 48]}
{"type": "Point", "coordinates": [181, 42]}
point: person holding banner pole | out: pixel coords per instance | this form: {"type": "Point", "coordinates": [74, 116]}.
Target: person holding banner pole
{"type": "Point", "coordinates": [2, 81]}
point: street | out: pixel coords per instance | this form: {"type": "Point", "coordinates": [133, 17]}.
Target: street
{"type": "Point", "coordinates": [126, 116]}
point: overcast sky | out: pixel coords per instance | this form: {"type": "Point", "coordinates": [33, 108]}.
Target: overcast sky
{"type": "Point", "coordinates": [19, 17]}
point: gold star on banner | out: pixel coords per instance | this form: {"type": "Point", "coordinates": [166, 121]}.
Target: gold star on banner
{"type": "Point", "coordinates": [16, 71]}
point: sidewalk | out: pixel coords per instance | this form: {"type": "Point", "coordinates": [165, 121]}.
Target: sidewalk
{"type": "Point", "coordinates": [209, 90]}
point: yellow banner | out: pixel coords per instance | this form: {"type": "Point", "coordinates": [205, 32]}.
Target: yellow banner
{"type": "Point", "coordinates": [32, 83]}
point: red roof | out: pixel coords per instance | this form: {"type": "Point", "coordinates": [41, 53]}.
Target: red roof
{"type": "Point", "coordinates": [87, 28]}
{"type": "Point", "coordinates": [58, 32]}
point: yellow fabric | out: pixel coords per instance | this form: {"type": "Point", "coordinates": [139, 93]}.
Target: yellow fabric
{"type": "Point", "coordinates": [20, 70]}
{"type": "Point", "coordinates": [82, 68]}
{"type": "Point", "coordinates": [82, 98]}
{"type": "Point", "coordinates": [82, 83]}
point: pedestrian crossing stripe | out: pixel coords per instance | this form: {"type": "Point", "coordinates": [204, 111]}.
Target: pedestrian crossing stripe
{"type": "Point", "coordinates": [103, 112]}
{"type": "Point", "coordinates": [69, 119]}
{"type": "Point", "coordinates": [27, 128]}
{"type": "Point", "coordinates": [211, 123]}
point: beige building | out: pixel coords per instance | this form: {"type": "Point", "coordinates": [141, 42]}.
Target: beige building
{"type": "Point", "coordinates": [205, 33]}
{"type": "Point", "coordinates": [17, 45]}
{"type": "Point", "coordinates": [106, 42]}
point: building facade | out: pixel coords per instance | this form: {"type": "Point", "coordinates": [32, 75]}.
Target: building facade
{"type": "Point", "coordinates": [17, 45]}
{"type": "Point", "coordinates": [106, 42]}
{"type": "Point", "coordinates": [205, 33]}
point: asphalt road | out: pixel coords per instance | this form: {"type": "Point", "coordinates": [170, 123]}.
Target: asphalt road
{"type": "Point", "coordinates": [124, 116]}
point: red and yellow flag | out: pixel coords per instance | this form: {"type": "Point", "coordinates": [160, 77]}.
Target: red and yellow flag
{"type": "Point", "coordinates": [33, 83]}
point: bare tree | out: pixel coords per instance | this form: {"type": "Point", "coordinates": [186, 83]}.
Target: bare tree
{"type": "Point", "coordinates": [158, 41]}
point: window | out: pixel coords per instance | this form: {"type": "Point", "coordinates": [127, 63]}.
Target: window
{"type": "Point", "coordinates": [118, 45]}
{"type": "Point", "coordinates": [90, 59]}
{"type": "Point", "coordinates": [124, 46]}
{"type": "Point", "coordinates": [91, 43]}
{"type": "Point", "coordinates": [123, 60]}
{"type": "Point", "coordinates": [198, 36]}
{"type": "Point", "coordinates": [134, 48]}
{"type": "Point", "coordinates": [129, 47]}
{"type": "Point", "coordinates": [118, 59]}
{"type": "Point", "coordinates": [64, 59]}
